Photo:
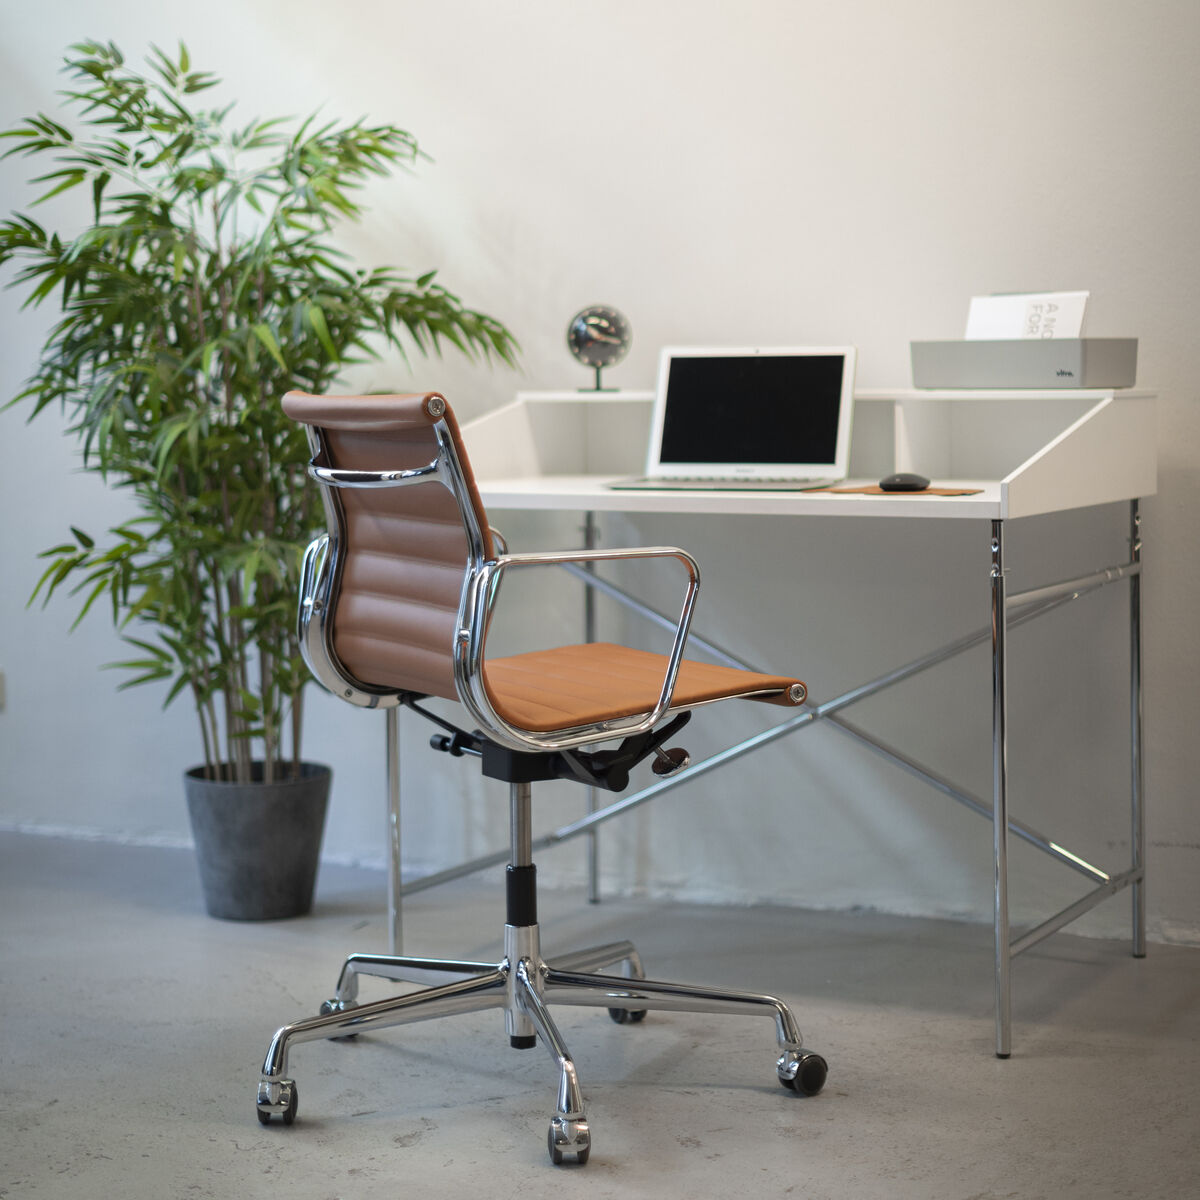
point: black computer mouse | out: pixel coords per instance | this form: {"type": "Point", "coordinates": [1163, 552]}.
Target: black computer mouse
{"type": "Point", "coordinates": [904, 481]}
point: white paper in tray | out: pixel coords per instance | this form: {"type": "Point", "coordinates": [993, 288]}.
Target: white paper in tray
{"type": "Point", "coordinates": [1026, 315]}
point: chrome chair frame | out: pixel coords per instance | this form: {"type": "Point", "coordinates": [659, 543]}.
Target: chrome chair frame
{"type": "Point", "coordinates": [523, 984]}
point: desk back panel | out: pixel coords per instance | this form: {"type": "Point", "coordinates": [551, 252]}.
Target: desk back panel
{"type": "Point", "coordinates": [562, 433]}
{"type": "Point", "coordinates": [600, 436]}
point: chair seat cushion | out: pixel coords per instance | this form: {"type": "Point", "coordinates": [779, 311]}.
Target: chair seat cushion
{"type": "Point", "coordinates": [549, 690]}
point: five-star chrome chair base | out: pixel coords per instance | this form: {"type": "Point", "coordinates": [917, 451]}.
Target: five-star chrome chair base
{"type": "Point", "coordinates": [524, 985]}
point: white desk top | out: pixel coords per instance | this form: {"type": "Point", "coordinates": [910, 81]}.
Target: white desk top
{"type": "Point", "coordinates": [1028, 452]}
{"type": "Point", "coordinates": [591, 493]}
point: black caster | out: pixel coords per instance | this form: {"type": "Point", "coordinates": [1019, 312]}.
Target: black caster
{"type": "Point", "coordinates": [277, 1100]}
{"type": "Point", "coordinates": [802, 1072]}
{"type": "Point", "coordinates": [627, 1016]}
{"type": "Point", "coordinates": [568, 1137]}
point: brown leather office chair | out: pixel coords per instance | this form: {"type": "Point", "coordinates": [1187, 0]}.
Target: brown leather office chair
{"type": "Point", "coordinates": [396, 603]}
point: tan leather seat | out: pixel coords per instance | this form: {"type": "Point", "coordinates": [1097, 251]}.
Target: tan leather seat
{"type": "Point", "coordinates": [579, 685]}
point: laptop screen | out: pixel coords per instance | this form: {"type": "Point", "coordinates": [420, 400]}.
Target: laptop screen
{"type": "Point", "coordinates": [753, 412]}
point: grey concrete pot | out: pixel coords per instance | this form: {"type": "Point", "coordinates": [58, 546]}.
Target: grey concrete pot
{"type": "Point", "coordinates": [258, 844]}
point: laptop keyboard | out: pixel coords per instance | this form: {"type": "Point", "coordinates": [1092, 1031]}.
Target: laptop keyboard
{"type": "Point", "coordinates": [711, 484]}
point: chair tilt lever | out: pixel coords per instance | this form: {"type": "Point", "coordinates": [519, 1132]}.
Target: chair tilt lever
{"type": "Point", "coordinates": [608, 769]}
{"type": "Point", "coordinates": [457, 743]}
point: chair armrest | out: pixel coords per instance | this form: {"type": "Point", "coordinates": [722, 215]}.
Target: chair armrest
{"type": "Point", "coordinates": [470, 651]}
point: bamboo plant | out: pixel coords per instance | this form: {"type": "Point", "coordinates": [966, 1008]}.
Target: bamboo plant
{"type": "Point", "coordinates": [205, 285]}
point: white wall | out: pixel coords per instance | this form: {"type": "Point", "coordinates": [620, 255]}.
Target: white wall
{"type": "Point", "coordinates": [770, 171]}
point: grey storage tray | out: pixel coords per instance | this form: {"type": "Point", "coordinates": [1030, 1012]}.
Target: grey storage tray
{"type": "Point", "coordinates": [1026, 363]}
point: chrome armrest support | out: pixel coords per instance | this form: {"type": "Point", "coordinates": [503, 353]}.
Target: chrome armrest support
{"type": "Point", "coordinates": [373, 479]}
{"type": "Point", "coordinates": [316, 584]}
{"type": "Point", "coordinates": [500, 542]}
{"type": "Point", "coordinates": [470, 650]}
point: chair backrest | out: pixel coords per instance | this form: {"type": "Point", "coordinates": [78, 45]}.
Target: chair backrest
{"type": "Point", "coordinates": [400, 553]}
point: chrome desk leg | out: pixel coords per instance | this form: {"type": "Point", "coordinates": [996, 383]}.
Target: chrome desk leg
{"type": "Point", "coordinates": [395, 923]}
{"type": "Point", "coordinates": [589, 635]}
{"type": "Point", "coordinates": [1137, 809]}
{"type": "Point", "coordinates": [1000, 795]}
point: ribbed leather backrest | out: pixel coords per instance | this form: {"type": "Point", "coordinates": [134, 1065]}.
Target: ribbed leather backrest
{"type": "Point", "coordinates": [405, 549]}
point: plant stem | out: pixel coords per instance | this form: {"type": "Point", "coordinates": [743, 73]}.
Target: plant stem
{"type": "Point", "coordinates": [297, 727]}
{"type": "Point", "coordinates": [266, 692]}
{"type": "Point", "coordinates": [209, 763]}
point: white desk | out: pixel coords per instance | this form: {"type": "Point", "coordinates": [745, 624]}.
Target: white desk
{"type": "Point", "coordinates": [1027, 452]}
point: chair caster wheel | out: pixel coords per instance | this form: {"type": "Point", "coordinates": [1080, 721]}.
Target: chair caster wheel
{"type": "Point", "coordinates": [277, 1099]}
{"type": "Point", "coordinates": [568, 1137]}
{"type": "Point", "coordinates": [627, 1016]}
{"type": "Point", "coordinates": [802, 1072]}
{"type": "Point", "coordinates": [337, 1006]}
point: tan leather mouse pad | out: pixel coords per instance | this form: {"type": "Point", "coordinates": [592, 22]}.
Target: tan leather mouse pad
{"type": "Point", "coordinates": [874, 489]}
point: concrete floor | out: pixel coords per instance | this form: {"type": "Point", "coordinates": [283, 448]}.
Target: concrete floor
{"type": "Point", "coordinates": [132, 1028]}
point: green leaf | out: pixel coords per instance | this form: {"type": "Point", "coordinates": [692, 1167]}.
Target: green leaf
{"type": "Point", "coordinates": [266, 335]}
{"type": "Point", "coordinates": [180, 683]}
{"type": "Point", "coordinates": [170, 435]}
{"type": "Point", "coordinates": [68, 180]}
{"type": "Point", "coordinates": [52, 577]}
{"type": "Point", "coordinates": [100, 587]}
{"type": "Point", "coordinates": [151, 676]}
{"type": "Point", "coordinates": [316, 318]}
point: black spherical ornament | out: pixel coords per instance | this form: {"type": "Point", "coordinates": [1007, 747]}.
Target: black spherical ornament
{"type": "Point", "coordinates": [598, 337]}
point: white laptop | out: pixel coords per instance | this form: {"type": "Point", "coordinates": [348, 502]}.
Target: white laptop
{"type": "Point", "coordinates": [768, 419]}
